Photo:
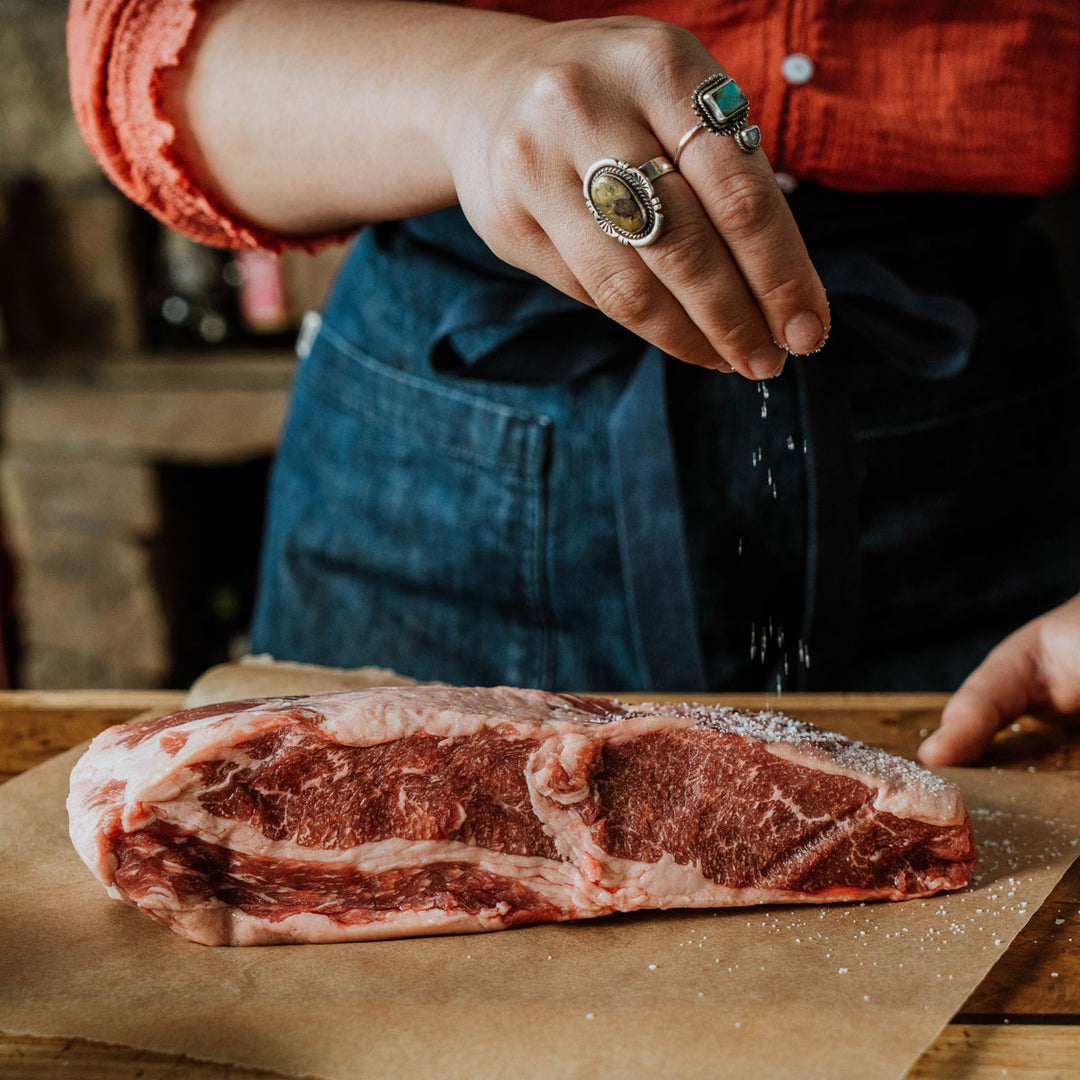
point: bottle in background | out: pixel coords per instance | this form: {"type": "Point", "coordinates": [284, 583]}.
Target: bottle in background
{"type": "Point", "coordinates": [194, 300]}
{"type": "Point", "coordinates": [263, 296]}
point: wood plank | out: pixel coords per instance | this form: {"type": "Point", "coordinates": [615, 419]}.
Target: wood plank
{"type": "Point", "coordinates": [961, 1052]}
{"type": "Point", "coordinates": [1018, 1052]}
{"type": "Point", "coordinates": [38, 725]}
{"type": "Point", "coordinates": [1040, 971]}
{"type": "Point", "coordinates": [24, 1057]}
{"type": "Point", "coordinates": [135, 700]}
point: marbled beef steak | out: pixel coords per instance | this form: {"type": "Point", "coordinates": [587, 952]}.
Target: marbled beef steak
{"type": "Point", "coordinates": [400, 811]}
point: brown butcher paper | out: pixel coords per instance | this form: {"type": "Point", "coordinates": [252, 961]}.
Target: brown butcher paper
{"type": "Point", "coordinates": [850, 991]}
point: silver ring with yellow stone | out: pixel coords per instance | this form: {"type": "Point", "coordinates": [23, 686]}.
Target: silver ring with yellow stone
{"type": "Point", "coordinates": [622, 199]}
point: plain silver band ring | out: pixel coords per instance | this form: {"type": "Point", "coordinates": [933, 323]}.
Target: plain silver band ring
{"type": "Point", "coordinates": [684, 142]}
{"type": "Point", "coordinates": [655, 167]}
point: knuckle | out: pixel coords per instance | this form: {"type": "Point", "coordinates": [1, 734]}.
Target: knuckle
{"type": "Point", "coordinates": [625, 296]}
{"type": "Point", "coordinates": [663, 48]}
{"type": "Point", "coordinates": [784, 295]}
{"type": "Point", "coordinates": [738, 338]}
{"type": "Point", "coordinates": [562, 90]}
{"type": "Point", "coordinates": [511, 239]}
{"type": "Point", "coordinates": [746, 205]}
{"type": "Point", "coordinates": [683, 255]}
{"type": "Point", "coordinates": [702, 354]}
{"type": "Point", "coordinates": [517, 161]}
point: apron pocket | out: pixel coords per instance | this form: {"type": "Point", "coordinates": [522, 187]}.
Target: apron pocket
{"type": "Point", "coordinates": [407, 526]}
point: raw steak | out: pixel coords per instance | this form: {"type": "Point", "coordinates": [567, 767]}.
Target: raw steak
{"type": "Point", "coordinates": [421, 810]}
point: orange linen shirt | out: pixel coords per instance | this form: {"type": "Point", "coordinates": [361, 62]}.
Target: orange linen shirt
{"type": "Point", "coordinates": [860, 95]}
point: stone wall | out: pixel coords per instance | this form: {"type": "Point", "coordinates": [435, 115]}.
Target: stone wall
{"type": "Point", "coordinates": [38, 134]}
{"type": "Point", "coordinates": [90, 412]}
{"type": "Point", "coordinates": [82, 507]}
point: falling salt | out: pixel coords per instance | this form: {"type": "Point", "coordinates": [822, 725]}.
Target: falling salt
{"type": "Point", "coordinates": [588, 1016]}
{"type": "Point", "coordinates": [652, 967]}
{"type": "Point", "coordinates": [804, 654]}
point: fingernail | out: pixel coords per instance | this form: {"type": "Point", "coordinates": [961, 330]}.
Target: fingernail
{"type": "Point", "coordinates": [767, 361]}
{"type": "Point", "coordinates": [723, 367]}
{"type": "Point", "coordinates": [804, 332]}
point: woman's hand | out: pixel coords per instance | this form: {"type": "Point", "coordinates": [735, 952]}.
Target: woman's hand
{"type": "Point", "coordinates": [1035, 671]}
{"type": "Point", "coordinates": [317, 117]}
{"type": "Point", "coordinates": [728, 277]}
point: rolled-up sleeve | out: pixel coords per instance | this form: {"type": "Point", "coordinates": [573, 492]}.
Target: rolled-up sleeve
{"type": "Point", "coordinates": [118, 54]}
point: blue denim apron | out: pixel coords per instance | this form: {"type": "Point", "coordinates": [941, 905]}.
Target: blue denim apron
{"type": "Point", "coordinates": [482, 481]}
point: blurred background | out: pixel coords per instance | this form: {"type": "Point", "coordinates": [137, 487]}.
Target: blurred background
{"type": "Point", "coordinates": [143, 383]}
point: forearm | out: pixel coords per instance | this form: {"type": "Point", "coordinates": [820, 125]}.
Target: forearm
{"type": "Point", "coordinates": [310, 123]}
{"type": "Point", "coordinates": [306, 125]}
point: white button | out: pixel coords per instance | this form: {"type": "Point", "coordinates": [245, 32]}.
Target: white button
{"type": "Point", "coordinates": [797, 68]}
{"type": "Point", "coordinates": [786, 182]}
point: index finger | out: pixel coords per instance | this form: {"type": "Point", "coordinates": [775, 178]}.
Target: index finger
{"type": "Point", "coordinates": [739, 194]}
{"type": "Point", "coordinates": [998, 691]}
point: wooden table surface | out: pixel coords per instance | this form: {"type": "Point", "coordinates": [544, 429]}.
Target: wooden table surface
{"type": "Point", "coordinates": [1019, 1023]}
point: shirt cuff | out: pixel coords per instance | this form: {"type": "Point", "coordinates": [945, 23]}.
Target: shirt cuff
{"type": "Point", "coordinates": [118, 54]}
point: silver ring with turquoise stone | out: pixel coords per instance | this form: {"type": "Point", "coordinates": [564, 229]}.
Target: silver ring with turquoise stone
{"type": "Point", "coordinates": [723, 108]}
{"type": "Point", "coordinates": [622, 200]}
